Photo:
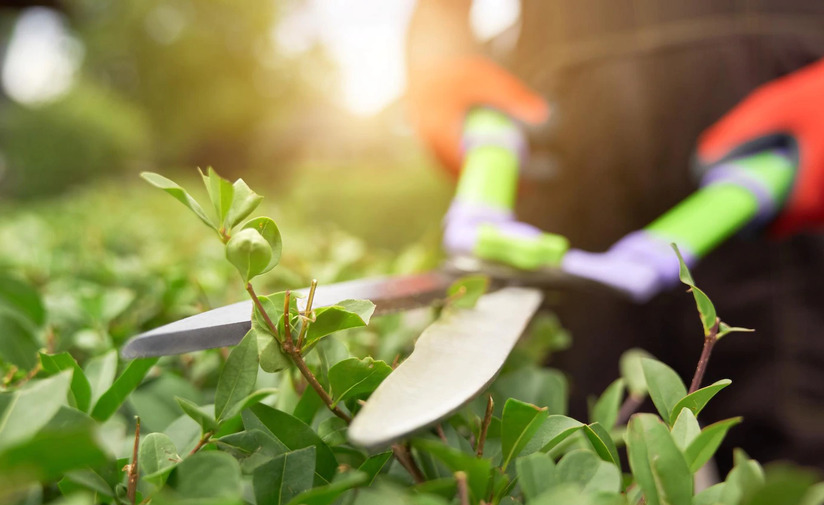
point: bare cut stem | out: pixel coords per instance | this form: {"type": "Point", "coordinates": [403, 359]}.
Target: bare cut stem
{"type": "Point", "coordinates": [131, 490]}
{"type": "Point", "coordinates": [463, 488]}
{"type": "Point", "coordinates": [706, 352]}
{"type": "Point", "coordinates": [307, 314]}
{"type": "Point", "coordinates": [479, 449]}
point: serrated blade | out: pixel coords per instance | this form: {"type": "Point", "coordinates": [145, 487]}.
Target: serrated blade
{"type": "Point", "coordinates": [227, 325]}
{"type": "Point", "coordinates": [454, 360]}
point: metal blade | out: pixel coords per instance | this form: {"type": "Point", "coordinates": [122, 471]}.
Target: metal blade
{"type": "Point", "coordinates": [227, 325]}
{"type": "Point", "coordinates": [454, 359]}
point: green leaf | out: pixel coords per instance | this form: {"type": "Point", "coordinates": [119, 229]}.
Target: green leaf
{"type": "Point", "coordinates": [341, 316]}
{"type": "Point", "coordinates": [25, 411]}
{"type": "Point", "coordinates": [308, 406]}
{"type": "Point", "coordinates": [605, 410]}
{"type": "Point", "coordinates": [552, 432]}
{"type": "Point", "coordinates": [247, 401]}
{"type": "Point", "coordinates": [333, 431]}
{"type": "Point", "coordinates": [665, 387]}
{"type": "Point", "coordinates": [744, 480]}
{"type": "Point", "coordinates": [101, 371]}
{"type": "Point", "coordinates": [18, 344]}
{"type": "Point", "coordinates": [815, 495]}
{"type": "Point", "coordinates": [632, 371]}
{"type": "Point", "coordinates": [221, 193]}
{"type": "Point", "coordinates": [49, 455]}
{"type": "Point", "coordinates": [204, 419]}
{"type": "Point", "coordinates": [252, 448]}
{"type": "Point", "coordinates": [292, 433]}
{"type": "Point", "coordinates": [325, 495]}
{"type": "Point", "coordinates": [114, 397]}
{"type": "Point", "coordinates": [476, 469]}
{"type": "Point", "coordinates": [179, 194]}
{"type": "Point", "coordinates": [465, 292]}
{"type": "Point", "coordinates": [657, 463]}
{"type": "Point", "coordinates": [80, 388]}
{"type": "Point", "coordinates": [356, 378]}
{"type": "Point", "coordinates": [269, 231]}
{"type": "Point", "coordinates": [536, 474]}
{"type": "Point", "coordinates": [543, 387]}
{"type": "Point", "coordinates": [710, 495]}
{"type": "Point", "coordinates": [602, 443]}
{"type": "Point", "coordinates": [725, 329]}
{"type": "Point", "coordinates": [245, 202]}
{"type": "Point", "coordinates": [685, 429]}
{"type": "Point", "coordinates": [285, 477]}
{"type": "Point", "coordinates": [22, 299]}
{"type": "Point", "coordinates": [698, 399]}
{"type": "Point", "coordinates": [587, 470]}
{"type": "Point", "coordinates": [237, 380]}
{"type": "Point", "coordinates": [373, 466]}
{"type": "Point", "coordinates": [783, 484]}
{"type": "Point", "coordinates": [157, 457]}
{"type": "Point", "coordinates": [272, 358]}
{"type": "Point", "coordinates": [701, 449]}
{"type": "Point", "coordinates": [706, 310]}
{"type": "Point", "coordinates": [520, 421]}
{"type": "Point", "coordinates": [249, 252]}
{"type": "Point", "coordinates": [209, 475]}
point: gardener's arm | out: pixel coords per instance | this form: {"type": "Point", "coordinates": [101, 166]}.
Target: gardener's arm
{"type": "Point", "coordinates": [762, 163]}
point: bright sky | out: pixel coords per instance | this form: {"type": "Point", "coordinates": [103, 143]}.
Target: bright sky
{"type": "Point", "coordinates": [364, 37]}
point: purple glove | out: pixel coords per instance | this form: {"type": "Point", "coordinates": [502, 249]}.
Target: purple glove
{"type": "Point", "coordinates": [640, 264]}
{"type": "Point", "coordinates": [464, 220]}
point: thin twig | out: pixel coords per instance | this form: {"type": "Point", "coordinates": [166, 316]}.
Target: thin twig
{"type": "Point", "coordinates": [630, 405]}
{"type": "Point", "coordinates": [404, 457]}
{"type": "Point", "coordinates": [203, 441]}
{"type": "Point", "coordinates": [307, 313]}
{"type": "Point", "coordinates": [131, 490]}
{"type": "Point", "coordinates": [441, 434]}
{"type": "Point", "coordinates": [256, 301]}
{"type": "Point", "coordinates": [463, 488]}
{"type": "Point", "coordinates": [479, 449]}
{"type": "Point", "coordinates": [396, 361]}
{"type": "Point", "coordinates": [709, 343]}
{"type": "Point", "coordinates": [29, 376]}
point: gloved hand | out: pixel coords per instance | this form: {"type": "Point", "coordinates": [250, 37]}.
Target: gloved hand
{"type": "Point", "coordinates": [787, 112]}
{"type": "Point", "coordinates": [439, 101]}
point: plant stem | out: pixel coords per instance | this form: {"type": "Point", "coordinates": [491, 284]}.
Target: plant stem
{"type": "Point", "coordinates": [131, 490]}
{"type": "Point", "coordinates": [709, 343]}
{"type": "Point", "coordinates": [306, 313]}
{"type": "Point", "coordinates": [203, 441]}
{"type": "Point", "coordinates": [630, 405]}
{"type": "Point", "coordinates": [463, 488]}
{"type": "Point", "coordinates": [479, 448]}
{"type": "Point", "coordinates": [404, 457]}
{"type": "Point", "coordinates": [288, 347]}
{"type": "Point", "coordinates": [272, 327]}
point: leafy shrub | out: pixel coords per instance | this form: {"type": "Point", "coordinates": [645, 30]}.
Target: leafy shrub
{"type": "Point", "coordinates": [268, 425]}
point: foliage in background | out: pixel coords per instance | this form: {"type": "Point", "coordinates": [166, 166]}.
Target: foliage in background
{"type": "Point", "coordinates": [245, 427]}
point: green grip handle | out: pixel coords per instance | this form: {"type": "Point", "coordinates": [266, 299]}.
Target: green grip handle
{"type": "Point", "coordinates": [489, 175]}
{"type": "Point", "coordinates": [712, 214]}
{"type": "Point", "coordinates": [489, 181]}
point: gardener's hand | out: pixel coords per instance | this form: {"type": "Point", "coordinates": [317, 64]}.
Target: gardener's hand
{"type": "Point", "coordinates": [439, 101]}
{"type": "Point", "coordinates": [790, 112]}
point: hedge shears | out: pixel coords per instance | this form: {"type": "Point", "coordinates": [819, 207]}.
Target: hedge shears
{"type": "Point", "coordinates": [460, 354]}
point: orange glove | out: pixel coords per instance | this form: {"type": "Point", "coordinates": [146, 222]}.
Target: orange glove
{"type": "Point", "coordinates": [439, 99]}
{"type": "Point", "coordinates": [787, 112]}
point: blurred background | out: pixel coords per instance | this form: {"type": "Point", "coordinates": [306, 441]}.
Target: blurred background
{"type": "Point", "coordinates": [301, 98]}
